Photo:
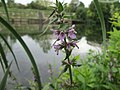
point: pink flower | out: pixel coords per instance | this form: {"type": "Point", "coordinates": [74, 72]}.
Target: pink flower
{"type": "Point", "coordinates": [72, 32]}
{"type": "Point", "coordinates": [57, 48]}
{"type": "Point", "coordinates": [61, 36]}
{"type": "Point", "coordinates": [74, 44]}
{"type": "Point", "coordinates": [70, 45]}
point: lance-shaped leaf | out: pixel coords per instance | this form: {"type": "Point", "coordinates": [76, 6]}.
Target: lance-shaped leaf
{"type": "Point", "coordinates": [5, 7]}
{"type": "Point", "coordinates": [3, 56]}
{"type": "Point", "coordinates": [10, 50]}
{"type": "Point", "coordinates": [99, 10]}
{"type": "Point", "coordinates": [12, 30]}
{"type": "Point", "coordinates": [64, 70]}
{"type": "Point", "coordinates": [60, 7]}
{"type": "Point", "coordinates": [2, 65]}
{"type": "Point", "coordinates": [57, 3]}
{"type": "Point", "coordinates": [4, 80]}
{"type": "Point", "coordinates": [52, 13]}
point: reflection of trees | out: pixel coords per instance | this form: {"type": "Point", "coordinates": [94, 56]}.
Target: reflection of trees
{"type": "Point", "coordinates": [44, 42]}
{"type": "Point", "coordinates": [92, 32]}
{"type": "Point", "coordinates": [10, 39]}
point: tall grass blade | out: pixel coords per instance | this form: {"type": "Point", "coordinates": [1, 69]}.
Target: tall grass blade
{"type": "Point", "coordinates": [4, 80]}
{"type": "Point", "coordinates": [3, 56]}
{"type": "Point", "coordinates": [5, 7]}
{"type": "Point", "coordinates": [12, 30]}
{"type": "Point", "coordinates": [102, 24]}
{"type": "Point", "coordinates": [10, 50]}
{"type": "Point", "coordinates": [2, 65]}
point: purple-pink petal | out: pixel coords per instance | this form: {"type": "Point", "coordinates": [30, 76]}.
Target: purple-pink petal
{"type": "Point", "coordinates": [57, 48]}
{"type": "Point", "coordinates": [55, 32]}
{"type": "Point", "coordinates": [74, 44]}
{"type": "Point", "coordinates": [71, 34]}
{"type": "Point", "coordinates": [61, 36]}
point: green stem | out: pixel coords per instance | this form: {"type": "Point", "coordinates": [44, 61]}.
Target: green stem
{"type": "Point", "coordinates": [70, 72]}
{"type": "Point", "coordinates": [100, 13]}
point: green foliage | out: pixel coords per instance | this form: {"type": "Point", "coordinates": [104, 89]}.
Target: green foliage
{"type": "Point", "coordinates": [58, 14]}
{"type": "Point", "coordinates": [97, 71]}
{"type": "Point", "coordinates": [84, 76]}
{"type": "Point", "coordinates": [114, 43]}
{"type": "Point", "coordinates": [81, 12]}
{"type": "Point", "coordinates": [10, 50]}
{"type": "Point", "coordinates": [5, 8]}
{"type": "Point", "coordinates": [73, 5]}
{"type": "Point", "coordinates": [10, 3]}
{"type": "Point", "coordinates": [36, 5]}
{"type": "Point", "coordinates": [115, 20]}
{"type": "Point", "coordinates": [4, 80]}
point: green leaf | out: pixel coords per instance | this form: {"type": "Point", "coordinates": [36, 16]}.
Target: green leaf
{"type": "Point", "coordinates": [99, 11]}
{"type": "Point", "coordinates": [57, 4]}
{"type": "Point", "coordinates": [10, 50]}
{"type": "Point", "coordinates": [80, 77]}
{"type": "Point", "coordinates": [2, 65]}
{"type": "Point", "coordinates": [60, 7]}
{"type": "Point", "coordinates": [50, 22]}
{"type": "Point", "coordinates": [4, 80]}
{"type": "Point", "coordinates": [116, 24]}
{"type": "Point", "coordinates": [77, 57]}
{"type": "Point", "coordinates": [46, 87]}
{"type": "Point", "coordinates": [52, 13]}
{"type": "Point", "coordinates": [63, 26]}
{"type": "Point", "coordinates": [3, 56]}
{"type": "Point", "coordinates": [5, 7]}
{"type": "Point", "coordinates": [64, 70]}
{"type": "Point", "coordinates": [12, 30]}
{"type": "Point", "coordinates": [67, 16]}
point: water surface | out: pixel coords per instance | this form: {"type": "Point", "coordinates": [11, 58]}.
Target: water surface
{"type": "Point", "coordinates": [44, 54]}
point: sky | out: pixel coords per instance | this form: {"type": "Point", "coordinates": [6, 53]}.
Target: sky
{"type": "Point", "coordinates": [86, 2]}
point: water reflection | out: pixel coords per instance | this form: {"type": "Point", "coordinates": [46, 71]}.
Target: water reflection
{"type": "Point", "coordinates": [93, 32]}
{"type": "Point", "coordinates": [44, 54]}
{"type": "Point", "coordinates": [44, 41]}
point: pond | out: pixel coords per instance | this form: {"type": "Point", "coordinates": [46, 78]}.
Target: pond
{"type": "Point", "coordinates": [43, 52]}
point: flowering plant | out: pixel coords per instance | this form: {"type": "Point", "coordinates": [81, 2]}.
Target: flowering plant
{"type": "Point", "coordinates": [67, 41]}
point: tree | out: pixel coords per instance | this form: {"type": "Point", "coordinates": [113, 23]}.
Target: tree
{"type": "Point", "coordinates": [73, 5]}
{"type": "Point", "coordinates": [39, 4]}
{"type": "Point", "coordinates": [10, 3]}
{"type": "Point", "coordinates": [81, 12]}
{"type": "Point", "coordinates": [35, 5]}
{"type": "Point", "coordinates": [45, 3]}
